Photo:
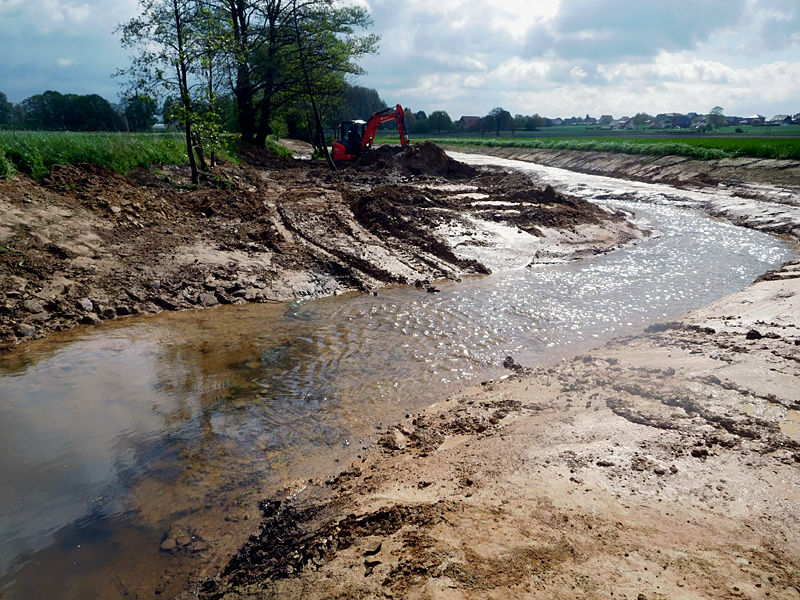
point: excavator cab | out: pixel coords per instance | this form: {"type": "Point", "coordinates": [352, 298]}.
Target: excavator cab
{"type": "Point", "coordinates": [356, 136]}
{"type": "Point", "coordinates": [351, 133]}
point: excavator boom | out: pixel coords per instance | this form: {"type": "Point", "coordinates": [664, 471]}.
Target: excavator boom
{"type": "Point", "coordinates": [357, 136]}
{"type": "Point", "coordinates": [379, 118]}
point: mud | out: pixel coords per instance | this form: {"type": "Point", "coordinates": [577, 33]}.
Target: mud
{"type": "Point", "coordinates": [660, 466]}
{"type": "Point", "coordinates": [89, 245]}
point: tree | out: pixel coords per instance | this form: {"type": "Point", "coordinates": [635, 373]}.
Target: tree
{"type": "Point", "coordinates": [440, 120]}
{"type": "Point", "coordinates": [264, 67]}
{"type": "Point", "coordinates": [164, 37]}
{"type": "Point", "coordinates": [640, 119]}
{"type": "Point", "coordinates": [500, 118]}
{"type": "Point", "coordinates": [360, 102]}
{"type": "Point", "coordinates": [140, 112]}
{"type": "Point", "coordinates": [70, 112]}
{"type": "Point", "coordinates": [716, 119]}
{"type": "Point", "coordinates": [6, 109]}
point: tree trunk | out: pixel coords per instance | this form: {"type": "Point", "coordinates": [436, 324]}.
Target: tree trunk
{"type": "Point", "coordinates": [304, 68]}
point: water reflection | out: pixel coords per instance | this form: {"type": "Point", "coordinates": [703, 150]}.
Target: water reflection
{"type": "Point", "coordinates": [114, 435]}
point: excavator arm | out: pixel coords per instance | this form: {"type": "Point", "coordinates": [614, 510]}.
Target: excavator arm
{"type": "Point", "coordinates": [379, 118]}
{"type": "Point", "coordinates": [353, 143]}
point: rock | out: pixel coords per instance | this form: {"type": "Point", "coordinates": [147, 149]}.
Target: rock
{"type": "Point", "coordinates": [108, 313]}
{"type": "Point", "coordinates": [33, 306]}
{"type": "Point", "coordinates": [168, 545]}
{"type": "Point", "coordinates": [373, 549]}
{"type": "Point", "coordinates": [90, 320]}
{"type": "Point", "coordinates": [753, 335]}
{"type": "Point", "coordinates": [25, 330]}
{"type": "Point", "coordinates": [85, 305]}
{"type": "Point", "coordinates": [207, 299]}
{"type": "Point", "coordinates": [123, 310]}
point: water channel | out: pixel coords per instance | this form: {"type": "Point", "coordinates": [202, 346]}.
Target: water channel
{"type": "Point", "coordinates": [114, 436]}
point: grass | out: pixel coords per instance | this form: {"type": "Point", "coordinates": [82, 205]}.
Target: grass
{"type": "Point", "coordinates": [35, 152]}
{"type": "Point", "coordinates": [698, 148]}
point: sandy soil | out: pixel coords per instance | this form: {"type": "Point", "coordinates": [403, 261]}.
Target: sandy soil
{"type": "Point", "coordinates": [661, 466]}
{"type": "Point", "coordinates": [89, 245]}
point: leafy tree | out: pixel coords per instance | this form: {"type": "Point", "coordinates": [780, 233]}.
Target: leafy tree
{"type": "Point", "coordinates": [534, 123]}
{"type": "Point", "coordinates": [500, 118]}
{"type": "Point", "coordinates": [6, 109]}
{"type": "Point", "coordinates": [640, 119]}
{"type": "Point", "coordinates": [440, 120]}
{"type": "Point", "coordinates": [71, 112]}
{"type": "Point", "coordinates": [263, 61]}
{"type": "Point", "coordinates": [716, 119]}
{"type": "Point", "coordinates": [164, 37]}
{"type": "Point", "coordinates": [360, 102]}
{"type": "Point", "coordinates": [140, 112]}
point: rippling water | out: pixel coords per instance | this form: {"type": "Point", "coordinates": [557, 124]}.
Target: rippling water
{"type": "Point", "coordinates": [111, 435]}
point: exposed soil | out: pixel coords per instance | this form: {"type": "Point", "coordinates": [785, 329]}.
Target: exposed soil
{"type": "Point", "coordinates": [88, 244]}
{"type": "Point", "coordinates": [678, 171]}
{"type": "Point", "coordinates": [663, 466]}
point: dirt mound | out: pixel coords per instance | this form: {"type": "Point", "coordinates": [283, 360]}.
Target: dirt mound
{"type": "Point", "coordinates": [422, 158]}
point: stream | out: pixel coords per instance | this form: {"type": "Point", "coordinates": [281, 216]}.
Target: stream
{"type": "Point", "coordinates": [116, 438]}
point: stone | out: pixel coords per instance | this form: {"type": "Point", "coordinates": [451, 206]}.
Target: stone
{"type": "Point", "coordinates": [33, 306]}
{"type": "Point", "coordinates": [207, 299]}
{"type": "Point", "coordinates": [168, 545]}
{"type": "Point", "coordinates": [90, 320]}
{"type": "Point", "coordinates": [85, 305]}
{"type": "Point", "coordinates": [108, 313]}
{"type": "Point", "coordinates": [26, 330]}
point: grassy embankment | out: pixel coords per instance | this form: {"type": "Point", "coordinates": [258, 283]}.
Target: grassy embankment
{"type": "Point", "coordinates": [35, 152]}
{"type": "Point", "coordinates": [698, 148]}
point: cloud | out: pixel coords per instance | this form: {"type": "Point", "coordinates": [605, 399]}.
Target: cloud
{"type": "Point", "coordinates": [620, 29]}
{"type": "Point", "coordinates": [65, 62]}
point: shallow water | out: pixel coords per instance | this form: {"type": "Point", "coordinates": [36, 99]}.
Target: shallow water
{"type": "Point", "coordinates": [116, 434]}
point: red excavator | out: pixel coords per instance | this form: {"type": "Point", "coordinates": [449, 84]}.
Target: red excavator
{"type": "Point", "coordinates": [357, 136]}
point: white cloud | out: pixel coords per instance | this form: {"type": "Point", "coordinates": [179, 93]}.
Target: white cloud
{"type": "Point", "coordinates": [65, 62]}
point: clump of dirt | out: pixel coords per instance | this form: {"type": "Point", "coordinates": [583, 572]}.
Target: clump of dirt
{"type": "Point", "coordinates": [422, 158]}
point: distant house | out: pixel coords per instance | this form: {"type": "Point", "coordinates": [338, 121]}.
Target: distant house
{"type": "Point", "coordinates": [590, 121]}
{"type": "Point", "coordinates": [556, 122]}
{"type": "Point", "coordinates": [781, 120]}
{"type": "Point", "coordinates": [796, 119]}
{"type": "Point", "coordinates": [467, 122]}
{"type": "Point", "coordinates": [159, 128]}
{"type": "Point", "coordinates": [756, 119]}
{"type": "Point", "coordinates": [674, 120]}
{"type": "Point", "coordinates": [605, 120]}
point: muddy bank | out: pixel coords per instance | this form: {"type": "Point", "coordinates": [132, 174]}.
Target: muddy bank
{"type": "Point", "coordinates": [672, 170]}
{"type": "Point", "coordinates": [754, 193]}
{"type": "Point", "coordinates": [661, 466]}
{"type": "Point", "coordinates": [89, 245]}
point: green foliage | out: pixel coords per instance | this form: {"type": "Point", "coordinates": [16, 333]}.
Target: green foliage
{"type": "Point", "coordinates": [701, 148]}
{"type": "Point", "coordinates": [7, 168]}
{"type": "Point", "coordinates": [275, 148]}
{"type": "Point", "coordinates": [34, 153]}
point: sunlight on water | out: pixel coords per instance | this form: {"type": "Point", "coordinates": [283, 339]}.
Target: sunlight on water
{"type": "Point", "coordinates": [193, 407]}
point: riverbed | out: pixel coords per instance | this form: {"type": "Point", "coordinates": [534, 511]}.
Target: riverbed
{"type": "Point", "coordinates": [160, 428]}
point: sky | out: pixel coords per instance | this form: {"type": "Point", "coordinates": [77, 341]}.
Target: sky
{"type": "Point", "coordinates": [557, 58]}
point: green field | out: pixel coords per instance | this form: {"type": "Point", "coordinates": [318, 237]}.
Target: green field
{"type": "Point", "coordinates": [35, 152]}
{"type": "Point", "coordinates": [700, 148]}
